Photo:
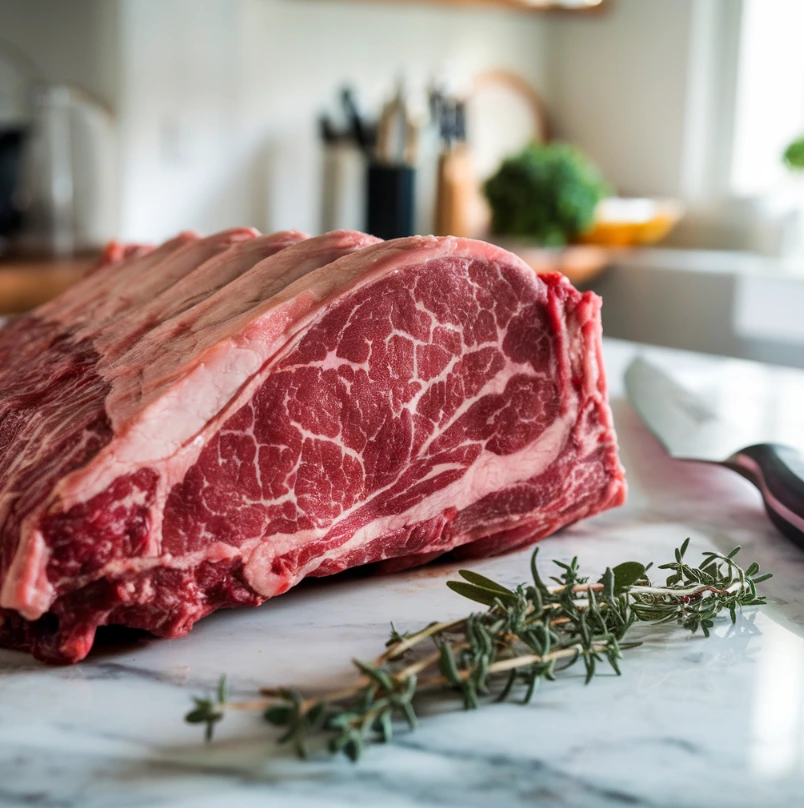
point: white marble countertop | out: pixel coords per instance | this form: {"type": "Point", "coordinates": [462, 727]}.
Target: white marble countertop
{"type": "Point", "coordinates": [692, 722]}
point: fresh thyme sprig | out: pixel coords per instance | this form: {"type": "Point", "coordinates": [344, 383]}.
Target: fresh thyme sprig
{"type": "Point", "coordinates": [527, 635]}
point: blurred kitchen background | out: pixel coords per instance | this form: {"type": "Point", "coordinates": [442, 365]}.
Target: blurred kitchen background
{"type": "Point", "coordinates": [678, 198]}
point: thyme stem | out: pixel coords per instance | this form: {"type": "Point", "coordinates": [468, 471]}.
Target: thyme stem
{"type": "Point", "coordinates": [526, 635]}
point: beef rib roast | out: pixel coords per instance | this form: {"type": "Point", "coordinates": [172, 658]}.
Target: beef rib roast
{"type": "Point", "coordinates": [204, 424]}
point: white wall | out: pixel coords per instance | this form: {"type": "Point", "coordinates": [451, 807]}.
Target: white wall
{"type": "Point", "coordinates": [70, 42]}
{"type": "Point", "coordinates": [639, 88]}
{"type": "Point", "coordinates": [179, 118]}
{"type": "Point", "coordinates": [219, 99]}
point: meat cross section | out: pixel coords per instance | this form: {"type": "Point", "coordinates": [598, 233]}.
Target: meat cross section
{"type": "Point", "coordinates": [388, 403]}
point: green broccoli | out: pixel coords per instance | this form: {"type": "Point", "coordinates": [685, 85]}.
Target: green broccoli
{"type": "Point", "coordinates": [547, 193]}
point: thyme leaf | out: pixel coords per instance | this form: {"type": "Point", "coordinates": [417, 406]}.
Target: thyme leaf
{"type": "Point", "coordinates": [526, 636]}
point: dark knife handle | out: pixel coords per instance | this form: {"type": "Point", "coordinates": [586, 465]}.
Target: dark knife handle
{"type": "Point", "coordinates": [778, 472]}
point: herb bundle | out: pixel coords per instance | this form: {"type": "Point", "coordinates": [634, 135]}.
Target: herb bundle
{"type": "Point", "coordinates": [527, 635]}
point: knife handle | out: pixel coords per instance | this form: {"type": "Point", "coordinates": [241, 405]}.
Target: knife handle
{"type": "Point", "coordinates": [778, 472]}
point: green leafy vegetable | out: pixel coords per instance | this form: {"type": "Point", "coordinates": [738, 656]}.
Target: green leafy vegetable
{"type": "Point", "coordinates": [547, 193]}
{"type": "Point", "coordinates": [793, 156]}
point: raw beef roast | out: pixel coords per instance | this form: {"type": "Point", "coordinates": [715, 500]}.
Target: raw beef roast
{"type": "Point", "coordinates": [204, 424]}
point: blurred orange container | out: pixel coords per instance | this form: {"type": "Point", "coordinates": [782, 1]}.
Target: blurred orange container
{"type": "Point", "coordinates": [627, 222]}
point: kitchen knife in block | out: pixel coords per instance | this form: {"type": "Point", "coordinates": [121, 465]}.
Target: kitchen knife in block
{"type": "Point", "coordinates": [689, 430]}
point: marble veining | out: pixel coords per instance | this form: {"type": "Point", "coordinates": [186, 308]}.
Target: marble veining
{"type": "Point", "coordinates": [692, 722]}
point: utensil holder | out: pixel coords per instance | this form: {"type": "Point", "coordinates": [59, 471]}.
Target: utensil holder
{"type": "Point", "coordinates": [390, 195]}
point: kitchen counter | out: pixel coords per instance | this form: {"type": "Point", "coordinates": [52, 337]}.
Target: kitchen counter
{"type": "Point", "coordinates": [27, 282]}
{"type": "Point", "coordinates": [692, 721]}
{"type": "Point", "coordinates": [723, 302]}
